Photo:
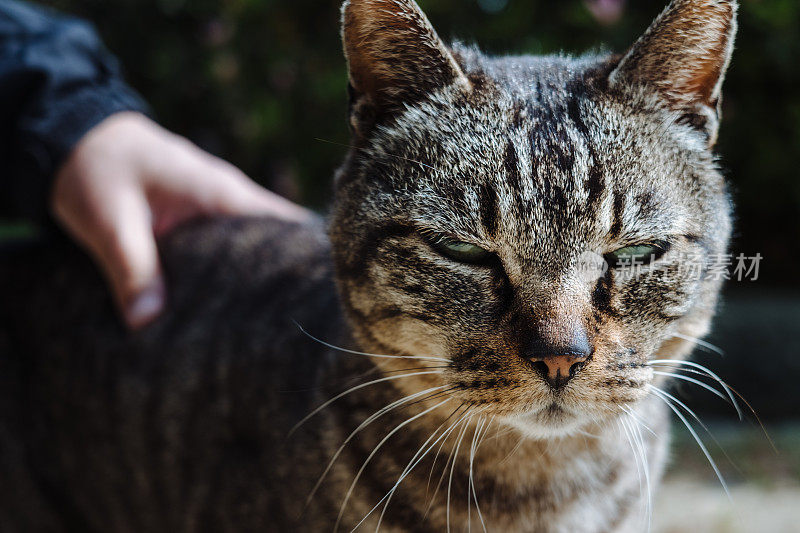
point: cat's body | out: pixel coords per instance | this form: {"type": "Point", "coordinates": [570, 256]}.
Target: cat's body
{"type": "Point", "coordinates": [513, 381]}
{"type": "Point", "coordinates": [118, 436]}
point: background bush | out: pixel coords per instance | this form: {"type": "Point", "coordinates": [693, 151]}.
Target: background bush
{"type": "Point", "coordinates": [259, 81]}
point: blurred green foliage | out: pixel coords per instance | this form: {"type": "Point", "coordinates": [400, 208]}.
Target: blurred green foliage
{"type": "Point", "coordinates": [259, 81]}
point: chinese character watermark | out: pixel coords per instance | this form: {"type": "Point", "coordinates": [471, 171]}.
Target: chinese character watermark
{"type": "Point", "coordinates": [688, 266]}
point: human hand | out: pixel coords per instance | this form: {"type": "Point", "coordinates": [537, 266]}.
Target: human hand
{"type": "Point", "coordinates": [128, 181]}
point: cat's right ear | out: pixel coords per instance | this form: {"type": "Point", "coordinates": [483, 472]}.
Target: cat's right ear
{"type": "Point", "coordinates": [394, 58]}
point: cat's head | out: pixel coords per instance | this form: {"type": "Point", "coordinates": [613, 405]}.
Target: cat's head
{"type": "Point", "coordinates": [493, 210]}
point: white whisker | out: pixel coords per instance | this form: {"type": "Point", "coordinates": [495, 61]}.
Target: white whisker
{"type": "Point", "coordinates": [513, 450]}
{"type": "Point", "coordinates": [630, 412]}
{"type": "Point", "coordinates": [628, 436]}
{"type": "Point", "coordinates": [411, 465]}
{"type": "Point", "coordinates": [637, 434]}
{"type": "Point", "coordinates": [707, 387]}
{"type": "Point", "coordinates": [585, 434]}
{"type": "Point", "coordinates": [372, 454]}
{"type": "Point", "coordinates": [695, 417]}
{"type": "Point", "coordinates": [664, 396]}
{"type": "Point", "coordinates": [407, 471]}
{"type": "Point", "coordinates": [478, 425]}
{"type": "Point", "coordinates": [749, 407]}
{"type": "Point", "coordinates": [700, 342]}
{"type": "Point", "coordinates": [498, 433]}
{"type": "Point", "coordinates": [353, 389]}
{"type": "Point", "coordinates": [438, 451]}
{"type": "Point", "coordinates": [354, 352]}
{"type": "Point", "coordinates": [453, 467]}
{"type": "Point", "coordinates": [465, 420]}
{"type": "Point", "coordinates": [363, 425]}
{"type": "Point", "coordinates": [476, 440]}
{"type": "Point", "coordinates": [709, 373]}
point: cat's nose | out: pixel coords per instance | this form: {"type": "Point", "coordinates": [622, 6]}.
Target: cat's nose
{"type": "Point", "coordinates": [558, 370]}
{"type": "Point", "coordinates": [559, 359]}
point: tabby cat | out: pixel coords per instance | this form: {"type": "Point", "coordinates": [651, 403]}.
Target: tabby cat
{"type": "Point", "coordinates": [467, 347]}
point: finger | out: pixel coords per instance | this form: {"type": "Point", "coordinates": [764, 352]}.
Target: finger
{"type": "Point", "coordinates": [118, 232]}
{"type": "Point", "coordinates": [220, 188]}
{"type": "Point", "coordinates": [130, 258]}
{"type": "Point", "coordinates": [250, 198]}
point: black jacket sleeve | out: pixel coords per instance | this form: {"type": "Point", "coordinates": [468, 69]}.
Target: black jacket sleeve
{"type": "Point", "coordinates": [57, 81]}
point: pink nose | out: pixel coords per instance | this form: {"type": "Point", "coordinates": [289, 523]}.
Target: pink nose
{"type": "Point", "coordinates": [559, 352]}
{"type": "Point", "coordinates": [557, 370]}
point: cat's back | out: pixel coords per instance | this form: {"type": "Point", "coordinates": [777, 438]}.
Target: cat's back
{"type": "Point", "coordinates": [157, 429]}
{"type": "Point", "coordinates": [209, 262]}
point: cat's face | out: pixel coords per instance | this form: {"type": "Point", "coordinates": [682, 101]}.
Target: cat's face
{"type": "Point", "coordinates": [491, 209]}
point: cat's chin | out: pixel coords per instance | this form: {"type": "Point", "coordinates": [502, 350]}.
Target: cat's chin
{"type": "Point", "coordinates": [551, 421]}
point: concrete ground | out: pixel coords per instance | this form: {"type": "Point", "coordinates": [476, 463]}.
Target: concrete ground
{"type": "Point", "coordinates": [686, 505]}
{"type": "Point", "coordinates": [764, 483]}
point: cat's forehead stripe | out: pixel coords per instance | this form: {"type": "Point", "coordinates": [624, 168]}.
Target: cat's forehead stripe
{"type": "Point", "coordinates": [489, 209]}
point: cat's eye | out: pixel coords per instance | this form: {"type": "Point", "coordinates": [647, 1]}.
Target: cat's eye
{"type": "Point", "coordinates": [639, 254]}
{"type": "Point", "coordinates": [460, 251]}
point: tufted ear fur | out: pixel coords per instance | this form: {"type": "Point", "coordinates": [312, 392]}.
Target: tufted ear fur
{"type": "Point", "coordinates": [394, 57]}
{"type": "Point", "coordinates": [683, 56]}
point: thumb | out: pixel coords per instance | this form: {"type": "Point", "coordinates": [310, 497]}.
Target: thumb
{"type": "Point", "coordinates": [122, 241]}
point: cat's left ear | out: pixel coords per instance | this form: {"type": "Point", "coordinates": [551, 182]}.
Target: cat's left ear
{"type": "Point", "coordinates": [683, 57]}
{"type": "Point", "coordinates": [394, 58]}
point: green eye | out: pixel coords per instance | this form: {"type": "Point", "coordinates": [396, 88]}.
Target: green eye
{"type": "Point", "coordinates": [460, 251]}
{"type": "Point", "coordinates": [640, 254]}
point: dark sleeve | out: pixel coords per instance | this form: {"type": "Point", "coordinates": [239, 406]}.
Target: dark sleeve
{"type": "Point", "coordinates": [57, 81]}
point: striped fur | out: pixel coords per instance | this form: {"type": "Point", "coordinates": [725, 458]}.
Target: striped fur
{"type": "Point", "coordinates": [539, 160]}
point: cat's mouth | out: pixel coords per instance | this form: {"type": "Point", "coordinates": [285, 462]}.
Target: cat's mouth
{"type": "Point", "coordinates": [553, 411]}
{"type": "Point", "coordinates": [552, 420]}
{"type": "Point", "coordinates": [553, 415]}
